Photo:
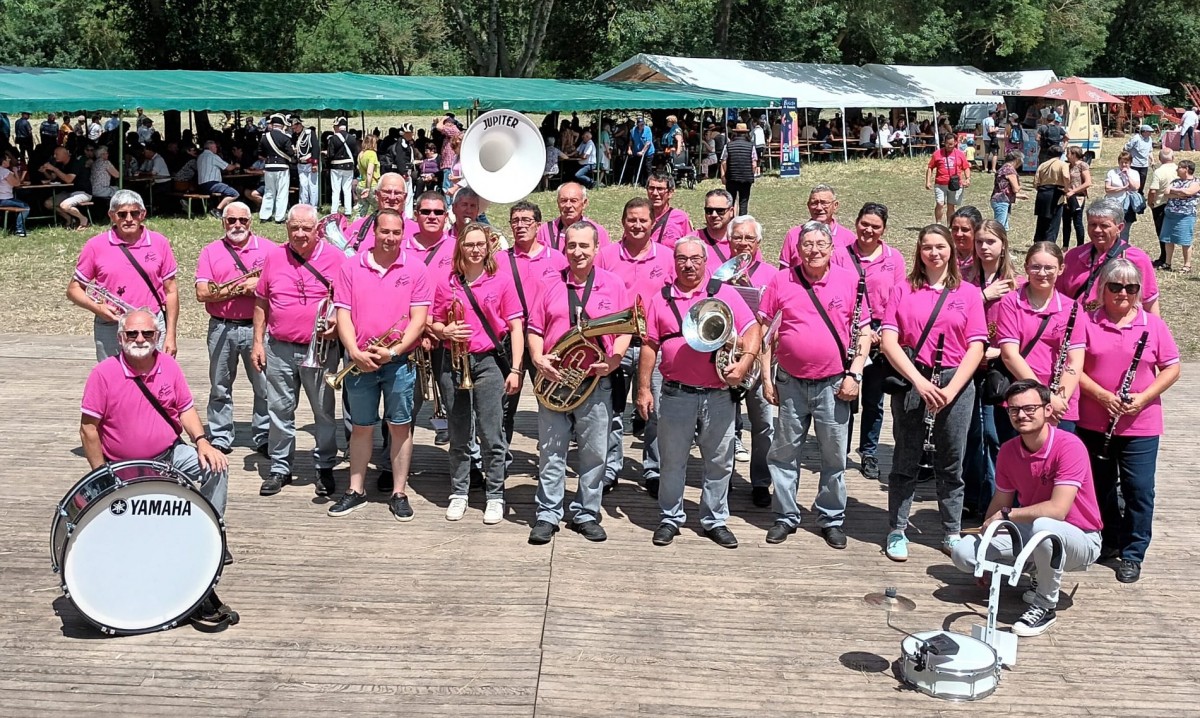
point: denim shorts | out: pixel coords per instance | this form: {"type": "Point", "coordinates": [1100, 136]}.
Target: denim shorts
{"type": "Point", "coordinates": [393, 382]}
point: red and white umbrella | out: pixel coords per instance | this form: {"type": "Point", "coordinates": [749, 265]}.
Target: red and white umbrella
{"type": "Point", "coordinates": [1072, 89]}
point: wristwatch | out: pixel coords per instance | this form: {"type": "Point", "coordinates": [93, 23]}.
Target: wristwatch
{"type": "Point", "coordinates": [1004, 512]}
{"type": "Point", "coordinates": [856, 376]}
{"type": "Point", "coordinates": [206, 437]}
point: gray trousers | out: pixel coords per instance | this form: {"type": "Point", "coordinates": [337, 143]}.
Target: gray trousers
{"type": "Point", "coordinates": [762, 435]}
{"type": "Point", "coordinates": [1080, 550]}
{"type": "Point", "coordinates": [109, 345]}
{"type": "Point", "coordinates": [227, 344]}
{"type": "Point", "coordinates": [275, 195]}
{"type": "Point", "coordinates": [803, 402]}
{"type": "Point", "coordinates": [592, 419]}
{"type": "Point", "coordinates": [950, 437]}
{"type": "Point", "coordinates": [214, 485]}
{"type": "Point", "coordinates": [284, 378]}
{"type": "Point", "coordinates": [616, 436]}
{"type": "Point", "coordinates": [479, 414]}
{"type": "Point", "coordinates": [708, 417]}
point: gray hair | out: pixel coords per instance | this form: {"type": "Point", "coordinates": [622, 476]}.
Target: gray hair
{"type": "Point", "coordinates": [1111, 208]}
{"type": "Point", "coordinates": [210, 144]}
{"type": "Point", "coordinates": [822, 188]}
{"type": "Point", "coordinates": [126, 197]}
{"type": "Point", "coordinates": [582, 189]}
{"type": "Point", "coordinates": [693, 239]}
{"type": "Point", "coordinates": [464, 194]}
{"type": "Point", "coordinates": [747, 219]}
{"type": "Point", "coordinates": [1166, 154]}
{"type": "Point", "coordinates": [813, 225]}
{"type": "Point", "coordinates": [1121, 270]}
{"type": "Point", "coordinates": [101, 152]}
{"type": "Point", "coordinates": [237, 205]}
{"type": "Point", "coordinates": [582, 225]}
{"type": "Point", "coordinates": [140, 310]}
{"type": "Point", "coordinates": [299, 209]}
{"type": "Point", "coordinates": [719, 192]}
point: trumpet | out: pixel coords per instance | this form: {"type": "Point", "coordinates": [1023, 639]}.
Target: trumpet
{"type": "Point", "coordinates": [387, 340]}
{"type": "Point", "coordinates": [100, 295]}
{"type": "Point", "coordinates": [214, 288]}
{"type": "Point", "coordinates": [319, 345]}
{"type": "Point", "coordinates": [460, 357]}
{"type": "Point", "coordinates": [429, 386]}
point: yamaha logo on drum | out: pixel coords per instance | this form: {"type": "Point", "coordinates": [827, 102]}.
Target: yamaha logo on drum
{"type": "Point", "coordinates": [151, 507]}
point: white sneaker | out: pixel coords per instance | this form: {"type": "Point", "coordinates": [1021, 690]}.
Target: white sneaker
{"type": "Point", "coordinates": [458, 507]}
{"type": "Point", "coordinates": [739, 451]}
{"type": "Point", "coordinates": [494, 512]}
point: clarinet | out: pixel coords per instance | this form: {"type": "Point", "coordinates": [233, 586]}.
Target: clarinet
{"type": "Point", "coordinates": [1123, 392]}
{"type": "Point", "coordinates": [1060, 362]}
{"type": "Point", "coordinates": [929, 448]}
{"type": "Point", "coordinates": [855, 329]}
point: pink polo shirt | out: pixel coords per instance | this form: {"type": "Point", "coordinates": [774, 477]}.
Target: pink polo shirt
{"type": "Point", "coordinates": [293, 293]}
{"type": "Point", "coordinates": [366, 242]}
{"type": "Point", "coordinates": [1017, 323]}
{"type": "Point", "coordinates": [680, 362]}
{"type": "Point", "coordinates": [807, 349]}
{"type": "Point", "coordinates": [438, 258]}
{"type": "Point", "coordinates": [883, 273]}
{"type": "Point", "coordinates": [534, 271]}
{"type": "Point", "coordinates": [1110, 350]}
{"type": "Point", "coordinates": [550, 318]}
{"type": "Point", "coordinates": [961, 320]}
{"type": "Point", "coordinates": [497, 298]}
{"type": "Point", "coordinates": [677, 224]}
{"type": "Point", "coordinates": [642, 275]}
{"type": "Point", "coordinates": [380, 299]}
{"type": "Point", "coordinates": [761, 274]}
{"type": "Point", "coordinates": [216, 265]}
{"type": "Point", "coordinates": [1081, 260]}
{"type": "Point", "coordinates": [553, 234]}
{"type": "Point", "coordinates": [130, 427]}
{"type": "Point", "coordinates": [102, 261]}
{"type": "Point", "coordinates": [789, 253]}
{"type": "Point", "coordinates": [1062, 461]}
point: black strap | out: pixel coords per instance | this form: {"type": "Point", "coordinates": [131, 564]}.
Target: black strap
{"type": "Point", "coordinates": [714, 245]}
{"type": "Point", "coordinates": [575, 306]}
{"type": "Point", "coordinates": [1118, 248]}
{"type": "Point", "coordinates": [816, 302]}
{"type": "Point", "coordinates": [1038, 335]}
{"type": "Point", "coordinates": [145, 277]}
{"type": "Point", "coordinates": [236, 259]}
{"type": "Point", "coordinates": [710, 290]}
{"type": "Point", "coordinates": [512, 261]}
{"type": "Point", "coordinates": [937, 309]}
{"type": "Point", "coordinates": [661, 225]}
{"type": "Point", "coordinates": [304, 263]}
{"type": "Point", "coordinates": [501, 358]}
{"type": "Point", "coordinates": [430, 255]}
{"type": "Point", "coordinates": [141, 384]}
{"type": "Point", "coordinates": [366, 227]}
{"type": "Point", "coordinates": [858, 267]}
{"type": "Point", "coordinates": [558, 233]}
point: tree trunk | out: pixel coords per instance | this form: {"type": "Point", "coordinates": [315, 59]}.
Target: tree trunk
{"type": "Point", "coordinates": [724, 13]}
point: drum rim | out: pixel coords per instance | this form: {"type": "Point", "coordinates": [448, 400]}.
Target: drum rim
{"type": "Point", "coordinates": [111, 630]}
{"type": "Point", "coordinates": [993, 670]}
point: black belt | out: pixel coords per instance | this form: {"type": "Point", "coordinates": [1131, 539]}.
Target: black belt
{"type": "Point", "coordinates": [635, 341]}
{"type": "Point", "coordinates": [236, 322]}
{"type": "Point", "coordinates": [689, 389]}
{"type": "Point", "coordinates": [821, 380]}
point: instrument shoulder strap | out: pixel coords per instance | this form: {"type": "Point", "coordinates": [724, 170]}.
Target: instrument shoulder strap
{"type": "Point", "coordinates": [713, 244]}
{"type": "Point", "coordinates": [236, 259]}
{"type": "Point", "coordinates": [141, 384]}
{"type": "Point", "coordinates": [816, 302]}
{"type": "Point", "coordinates": [512, 262]}
{"type": "Point", "coordinates": [1025, 350]}
{"type": "Point", "coordinates": [366, 227]}
{"type": "Point", "coordinates": [305, 263]}
{"type": "Point", "coordinates": [145, 277]}
{"type": "Point", "coordinates": [713, 286]}
{"type": "Point", "coordinates": [429, 255]}
{"type": "Point", "coordinates": [578, 307]}
{"type": "Point", "coordinates": [1118, 249]}
{"type": "Point", "coordinates": [937, 309]}
{"type": "Point", "coordinates": [501, 356]}
{"type": "Point", "coordinates": [660, 225]}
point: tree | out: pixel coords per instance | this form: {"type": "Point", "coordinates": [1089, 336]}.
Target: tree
{"type": "Point", "coordinates": [503, 38]}
{"type": "Point", "coordinates": [387, 37]}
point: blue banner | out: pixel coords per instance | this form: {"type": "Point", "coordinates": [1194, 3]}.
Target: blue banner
{"type": "Point", "coordinates": [789, 140]}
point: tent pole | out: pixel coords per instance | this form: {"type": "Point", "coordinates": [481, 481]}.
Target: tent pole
{"type": "Point", "coordinates": [907, 136]}
{"type": "Point", "coordinates": [845, 149]}
{"type": "Point", "coordinates": [363, 116]}
{"type": "Point", "coordinates": [121, 148]}
{"type": "Point", "coordinates": [937, 140]}
{"type": "Point", "coordinates": [317, 152]}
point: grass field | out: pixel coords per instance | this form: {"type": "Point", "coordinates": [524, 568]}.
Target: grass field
{"type": "Point", "coordinates": [34, 271]}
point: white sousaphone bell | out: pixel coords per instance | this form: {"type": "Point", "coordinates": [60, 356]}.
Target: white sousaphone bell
{"type": "Point", "coordinates": [503, 156]}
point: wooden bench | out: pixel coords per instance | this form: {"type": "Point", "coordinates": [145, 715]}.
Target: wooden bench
{"type": "Point", "coordinates": [189, 198]}
{"type": "Point", "coordinates": [10, 210]}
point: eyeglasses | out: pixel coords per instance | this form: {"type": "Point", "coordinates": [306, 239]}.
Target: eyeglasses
{"type": "Point", "coordinates": [1117, 287]}
{"type": "Point", "coordinates": [127, 213]}
{"type": "Point", "coordinates": [237, 220]}
{"type": "Point", "coordinates": [689, 260]}
{"type": "Point", "coordinates": [1040, 269]}
{"type": "Point", "coordinates": [820, 246]}
{"type": "Point", "coordinates": [715, 210]}
{"type": "Point", "coordinates": [1027, 410]}
{"type": "Point", "coordinates": [742, 238]}
{"type": "Point", "coordinates": [132, 334]}
{"type": "Point", "coordinates": [657, 190]}
{"type": "Point", "coordinates": [522, 221]}
{"type": "Point", "coordinates": [431, 212]}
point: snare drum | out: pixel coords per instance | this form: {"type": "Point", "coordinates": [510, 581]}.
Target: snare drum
{"type": "Point", "coordinates": [137, 546]}
{"type": "Point", "coordinates": [966, 669]}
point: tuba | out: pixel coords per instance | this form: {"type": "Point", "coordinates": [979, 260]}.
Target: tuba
{"type": "Point", "coordinates": [707, 328]}
{"type": "Point", "coordinates": [330, 229]}
{"type": "Point", "coordinates": [577, 350]}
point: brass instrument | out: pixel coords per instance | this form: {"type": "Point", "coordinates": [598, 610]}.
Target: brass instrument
{"type": "Point", "coordinates": [460, 355]}
{"type": "Point", "coordinates": [707, 328]}
{"type": "Point", "coordinates": [928, 447]}
{"type": "Point", "coordinates": [319, 345]}
{"type": "Point", "coordinates": [577, 350]}
{"type": "Point", "coordinates": [214, 288]}
{"type": "Point", "coordinates": [100, 295]}
{"type": "Point", "coordinates": [736, 271]}
{"type": "Point", "coordinates": [387, 340]}
{"type": "Point", "coordinates": [430, 391]}
{"type": "Point", "coordinates": [330, 229]}
{"type": "Point", "coordinates": [1060, 362]}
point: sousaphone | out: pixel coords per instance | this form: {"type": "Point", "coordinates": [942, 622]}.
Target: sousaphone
{"type": "Point", "coordinates": [503, 156]}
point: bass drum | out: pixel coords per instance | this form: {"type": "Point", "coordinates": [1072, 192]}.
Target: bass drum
{"type": "Point", "coordinates": [965, 669]}
{"type": "Point", "coordinates": [137, 546]}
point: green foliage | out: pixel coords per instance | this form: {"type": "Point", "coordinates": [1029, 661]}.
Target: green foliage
{"type": "Point", "coordinates": [84, 33]}
{"type": "Point", "coordinates": [388, 37]}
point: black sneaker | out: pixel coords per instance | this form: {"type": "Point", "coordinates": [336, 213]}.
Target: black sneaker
{"type": "Point", "coordinates": [760, 496]}
{"type": "Point", "coordinates": [227, 450]}
{"type": "Point", "coordinates": [261, 449]}
{"type": "Point", "coordinates": [652, 488]}
{"type": "Point", "coordinates": [834, 536]}
{"type": "Point", "coordinates": [349, 502]}
{"type": "Point", "coordinates": [325, 484]}
{"type": "Point", "coordinates": [590, 530]}
{"type": "Point", "coordinates": [870, 467]}
{"type": "Point", "coordinates": [385, 482]}
{"type": "Point", "coordinates": [542, 532]}
{"type": "Point", "coordinates": [609, 486]}
{"type": "Point", "coordinates": [401, 509]}
{"type": "Point", "coordinates": [441, 438]}
{"type": "Point", "coordinates": [215, 213]}
{"type": "Point", "coordinates": [779, 532]}
{"type": "Point", "coordinates": [722, 536]}
{"type": "Point", "coordinates": [665, 534]}
{"type": "Point", "coordinates": [273, 484]}
{"type": "Point", "coordinates": [1034, 621]}
{"type": "Point", "coordinates": [1129, 571]}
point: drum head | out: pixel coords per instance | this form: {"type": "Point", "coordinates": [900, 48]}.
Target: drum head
{"type": "Point", "coordinates": [144, 556]}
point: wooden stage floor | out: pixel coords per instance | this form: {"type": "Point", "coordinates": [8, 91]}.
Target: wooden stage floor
{"type": "Point", "coordinates": [364, 615]}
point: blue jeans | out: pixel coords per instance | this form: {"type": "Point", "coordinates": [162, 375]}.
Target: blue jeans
{"type": "Point", "coordinates": [1130, 468]}
{"type": "Point", "coordinates": [803, 402]}
{"type": "Point", "coordinates": [1000, 211]}
{"type": "Point", "coordinates": [584, 176]}
{"type": "Point", "coordinates": [21, 216]}
{"type": "Point", "coordinates": [680, 412]}
{"type": "Point", "coordinates": [979, 461]}
{"type": "Point", "coordinates": [871, 400]}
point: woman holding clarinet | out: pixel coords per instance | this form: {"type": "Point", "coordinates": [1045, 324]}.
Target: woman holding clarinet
{"type": "Point", "coordinates": [1130, 361]}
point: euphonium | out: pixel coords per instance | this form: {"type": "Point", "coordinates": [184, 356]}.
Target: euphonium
{"type": "Point", "coordinates": [736, 271]}
{"type": "Point", "coordinates": [707, 328]}
{"type": "Point", "coordinates": [330, 229]}
{"type": "Point", "coordinates": [319, 345]}
{"type": "Point", "coordinates": [460, 355]}
{"type": "Point", "coordinates": [100, 295]}
{"type": "Point", "coordinates": [577, 350]}
{"type": "Point", "coordinates": [214, 288]}
{"type": "Point", "coordinates": [387, 340]}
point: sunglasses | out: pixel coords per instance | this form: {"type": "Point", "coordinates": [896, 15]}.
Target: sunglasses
{"type": "Point", "coordinates": [128, 213]}
{"type": "Point", "coordinates": [132, 334]}
{"type": "Point", "coordinates": [1117, 287]}
{"type": "Point", "coordinates": [715, 210]}
{"type": "Point", "coordinates": [431, 212]}
{"type": "Point", "coordinates": [237, 220]}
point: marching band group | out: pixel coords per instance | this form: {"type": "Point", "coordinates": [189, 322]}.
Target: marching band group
{"type": "Point", "coordinates": [1069, 358]}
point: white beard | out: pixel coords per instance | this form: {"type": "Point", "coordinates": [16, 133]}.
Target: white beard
{"type": "Point", "coordinates": [134, 351]}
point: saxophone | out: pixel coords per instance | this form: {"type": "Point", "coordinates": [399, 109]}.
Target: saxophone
{"type": "Point", "coordinates": [577, 350]}
{"type": "Point", "coordinates": [1060, 362]}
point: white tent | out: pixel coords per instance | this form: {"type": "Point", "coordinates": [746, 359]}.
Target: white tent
{"type": "Point", "coordinates": [1025, 79]}
{"type": "Point", "coordinates": [1124, 87]}
{"type": "Point", "coordinates": [950, 84]}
